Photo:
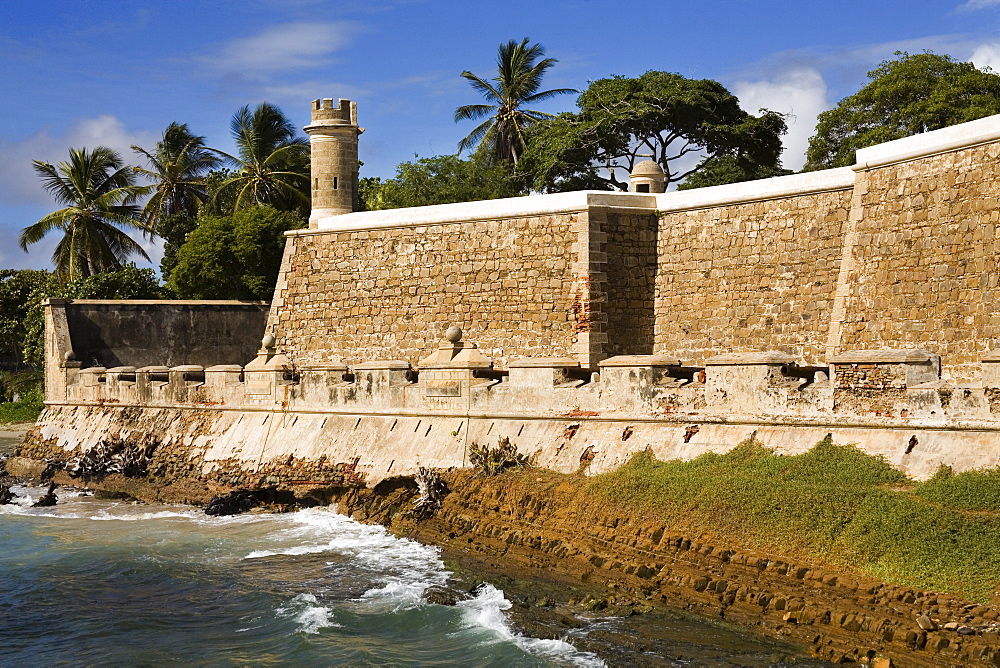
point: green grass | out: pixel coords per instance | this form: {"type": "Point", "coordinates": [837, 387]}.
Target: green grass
{"type": "Point", "coordinates": [27, 387]}
{"type": "Point", "coordinates": [833, 504]}
{"type": "Point", "coordinates": [26, 409]}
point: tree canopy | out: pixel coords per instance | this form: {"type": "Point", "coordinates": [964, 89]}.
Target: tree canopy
{"type": "Point", "coordinates": [440, 180]}
{"type": "Point", "coordinates": [233, 257]}
{"type": "Point", "coordinates": [906, 96]}
{"type": "Point", "coordinates": [101, 194]}
{"type": "Point", "coordinates": [19, 288]}
{"type": "Point", "coordinates": [520, 68]}
{"type": "Point", "coordinates": [272, 164]}
{"type": "Point", "coordinates": [177, 167]}
{"type": "Point", "coordinates": [685, 125]}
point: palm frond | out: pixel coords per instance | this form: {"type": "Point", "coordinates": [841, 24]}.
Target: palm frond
{"type": "Point", "coordinates": [472, 112]}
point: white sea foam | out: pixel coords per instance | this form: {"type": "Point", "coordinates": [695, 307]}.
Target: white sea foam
{"type": "Point", "coordinates": [317, 531]}
{"type": "Point", "coordinates": [486, 610]}
{"type": "Point", "coordinates": [306, 611]}
{"type": "Point", "coordinates": [405, 567]}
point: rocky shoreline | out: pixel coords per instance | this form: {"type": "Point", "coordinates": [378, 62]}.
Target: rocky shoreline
{"type": "Point", "coordinates": [566, 559]}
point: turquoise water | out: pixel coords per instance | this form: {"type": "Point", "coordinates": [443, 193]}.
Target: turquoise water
{"type": "Point", "coordinates": [91, 582]}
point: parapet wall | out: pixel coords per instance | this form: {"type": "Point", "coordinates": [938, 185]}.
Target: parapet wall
{"type": "Point", "coordinates": [895, 252]}
{"type": "Point", "coordinates": [751, 275]}
{"type": "Point", "coordinates": [531, 282]}
{"type": "Point", "coordinates": [138, 333]}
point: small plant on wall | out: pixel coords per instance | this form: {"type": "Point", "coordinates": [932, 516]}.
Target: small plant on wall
{"type": "Point", "coordinates": [493, 461]}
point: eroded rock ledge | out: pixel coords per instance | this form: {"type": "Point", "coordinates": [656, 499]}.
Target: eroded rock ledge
{"type": "Point", "coordinates": [543, 524]}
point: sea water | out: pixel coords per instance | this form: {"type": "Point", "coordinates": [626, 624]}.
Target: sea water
{"type": "Point", "coordinates": [91, 582]}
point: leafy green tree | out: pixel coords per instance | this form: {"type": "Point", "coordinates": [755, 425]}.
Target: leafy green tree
{"type": "Point", "coordinates": [730, 169]}
{"type": "Point", "coordinates": [272, 165]}
{"type": "Point", "coordinates": [906, 96]}
{"type": "Point", "coordinates": [178, 166]}
{"type": "Point", "coordinates": [101, 194]}
{"type": "Point", "coordinates": [129, 282]}
{"type": "Point", "coordinates": [685, 125]}
{"type": "Point", "coordinates": [520, 68]}
{"type": "Point", "coordinates": [233, 257]}
{"type": "Point", "coordinates": [174, 231]}
{"type": "Point", "coordinates": [440, 180]}
{"type": "Point", "coordinates": [19, 289]}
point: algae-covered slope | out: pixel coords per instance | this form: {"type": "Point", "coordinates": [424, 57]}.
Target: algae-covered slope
{"type": "Point", "coordinates": [832, 548]}
{"type": "Point", "coordinates": [832, 504]}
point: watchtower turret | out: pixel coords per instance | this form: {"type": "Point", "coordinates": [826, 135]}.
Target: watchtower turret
{"type": "Point", "coordinates": [333, 138]}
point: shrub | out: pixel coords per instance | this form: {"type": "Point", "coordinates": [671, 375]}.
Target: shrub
{"type": "Point", "coordinates": [493, 461]}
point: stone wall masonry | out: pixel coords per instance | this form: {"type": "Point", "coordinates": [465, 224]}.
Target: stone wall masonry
{"type": "Point", "coordinates": [926, 271]}
{"type": "Point", "coordinates": [520, 286]}
{"type": "Point", "coordinates": [630, 249]}
{"type": "Point", "coordinates": [749, 276]}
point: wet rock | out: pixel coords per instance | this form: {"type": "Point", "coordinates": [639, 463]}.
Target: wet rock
{"type": "Point", "coordinates": [6, 496]}
{"type": "Point", "coordinates": [111, 495]}
{"type": "Point", "coordinates": [926, 623]}
{"type": "Point", "coordinates": [129, 459]}
{"type": "Point", "coordinates": [443, 596]}
{"type": "Point", "coordinates": [48, 499]}
{"type": "Point", "coordinates": [236, 502]}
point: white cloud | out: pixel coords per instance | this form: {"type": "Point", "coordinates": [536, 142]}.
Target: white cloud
{"type": "Point", "coordinates": [973, 5]}
{"type": "Point", "coordinates": [987, 55]}
{"type": "Point", "coordinates": [19, 184]}
{"type": "Point", "coordinates": [22, 199]}
{"type": "Point", "coordinates": [280, 48]}
{"type": "Point", "coordinates": [801, 93]}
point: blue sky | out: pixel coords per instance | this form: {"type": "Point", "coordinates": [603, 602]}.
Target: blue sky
{"type": "Point", "coordinates": [88, 72]}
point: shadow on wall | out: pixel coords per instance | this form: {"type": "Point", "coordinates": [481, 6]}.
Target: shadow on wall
{"type": "Point", "coordinates": [143, 333]}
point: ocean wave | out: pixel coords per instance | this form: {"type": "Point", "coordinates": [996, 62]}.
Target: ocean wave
{"type": "Point", "coordinates": [370, 546]}
{"type": "Point", "coordinates": [486, 610]}
{"type": "Point", "coordinates": [305, 610]}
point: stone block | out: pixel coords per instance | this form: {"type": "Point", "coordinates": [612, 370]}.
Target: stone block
{"type": "Point", "coordinates": [885, 368]}
{"type": "Point", "coordinates": [541, 372]}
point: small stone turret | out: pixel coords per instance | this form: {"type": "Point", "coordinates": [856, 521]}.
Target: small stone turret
{"type": "Point", "coordinates": [648, 177]}
{"type": "Point", "coordinates": [333, 138]}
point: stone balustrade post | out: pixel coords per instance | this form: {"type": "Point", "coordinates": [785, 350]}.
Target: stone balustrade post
{"type": "Point", "coordinates": [749, 382]}
{"type": "Point", "coordinates": [222, 381]}
{"type": "Point", "coordinates": [450, 371]}
{"type": "Point", "coordinates": [631, 382]}
{"type": "Point", "coordinates": [876, 381]}
{"type": "Point", "coordinates": [542, 372]}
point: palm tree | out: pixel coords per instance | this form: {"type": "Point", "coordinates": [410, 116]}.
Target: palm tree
{"type": "Point", "coordinates": [272, 166]}
{"type": "Point", "coordinates": [179, 165]}
{"type": "Point", "coordinates": [518, 80]}
{"type": "Point", "coordinates": [100, 194]}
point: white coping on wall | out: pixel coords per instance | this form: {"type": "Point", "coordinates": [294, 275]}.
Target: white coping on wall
{"type": "Point", "coordinates": [492, 209]}
{"type": "Point", "coordinates": [929, 143]}
{"type": "Point", "coordinates": [583, 200]}
{"type": "Point", "coordinates": [840, 178]}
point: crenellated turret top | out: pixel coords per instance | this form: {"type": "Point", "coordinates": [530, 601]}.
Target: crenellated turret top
{"type": "Point", "coordinates": [325, 114]}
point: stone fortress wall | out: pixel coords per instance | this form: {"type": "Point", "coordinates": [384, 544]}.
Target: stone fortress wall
{"type": "Point", "coordinates": [856, 301]}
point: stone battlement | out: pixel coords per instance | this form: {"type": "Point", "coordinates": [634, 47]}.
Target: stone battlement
{"type": "Point", "coordinates": [892, 384]}
{"type": "Point", "coordinates": [346, 112]}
